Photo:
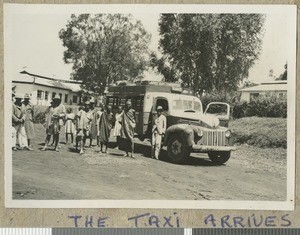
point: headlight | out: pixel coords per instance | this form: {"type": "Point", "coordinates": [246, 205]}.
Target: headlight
{"type": "Point", "coordinates": [199, 133]}
{"type": "Point", "coordinates": [228, 133]}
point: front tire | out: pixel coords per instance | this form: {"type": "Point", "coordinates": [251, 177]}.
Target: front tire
{"type": "Point", "coordinates": [219, 158]}
{"type": "Point", "coordinates": [178, 152]}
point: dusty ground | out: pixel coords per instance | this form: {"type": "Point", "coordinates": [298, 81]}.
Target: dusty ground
{"type": "Point", "coordinates": [250, 174]}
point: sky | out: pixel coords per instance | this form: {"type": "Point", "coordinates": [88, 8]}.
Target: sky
{"type": "Point", "coordinates": [34, 44]}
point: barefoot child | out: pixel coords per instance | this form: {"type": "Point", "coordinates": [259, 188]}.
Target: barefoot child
{"type": "Point", "coordinates": [69, 125]}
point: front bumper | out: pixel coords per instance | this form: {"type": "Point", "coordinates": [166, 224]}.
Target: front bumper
{"type": "Point", "coordinates": [206, 148]}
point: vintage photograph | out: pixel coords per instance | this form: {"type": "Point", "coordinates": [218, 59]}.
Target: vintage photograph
{"type": "Point", "coordinates": [186, 106]}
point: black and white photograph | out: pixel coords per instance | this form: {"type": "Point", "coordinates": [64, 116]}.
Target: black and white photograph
{"type": "Point", "coordinates": [150, 106]}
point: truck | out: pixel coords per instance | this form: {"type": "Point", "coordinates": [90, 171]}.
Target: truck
{"type": "Point", "coordinates": [189, 128]}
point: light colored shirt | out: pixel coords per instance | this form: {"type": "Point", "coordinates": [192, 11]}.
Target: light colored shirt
{"type": "Point", "coordinates": [160, 125]}
{"type": "Point", "coordinates": [82, 122]}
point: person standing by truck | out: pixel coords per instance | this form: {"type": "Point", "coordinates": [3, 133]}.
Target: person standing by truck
{"type": "Point", "coordinates": [105, 128]}
{"type": "Point", "coordinates": [158, 131]}
{"type": "Point", "coordinates": [92, 117]}
{"type": "Point", "coordinates": [127, 129]}
{"type": "Point", "coordinates": [117, 128]}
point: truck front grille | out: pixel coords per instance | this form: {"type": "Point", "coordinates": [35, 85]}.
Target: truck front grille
{"type": "Point", "coordinates": [213, 138]}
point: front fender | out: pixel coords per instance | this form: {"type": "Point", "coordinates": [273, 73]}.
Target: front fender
{"type": "Point", "coordinates": [184, 131]}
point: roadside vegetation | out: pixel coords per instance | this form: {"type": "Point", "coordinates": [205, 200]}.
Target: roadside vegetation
{"type": "Point", "coordinates": [270, 106]}
{"type": "Point", "coordinates": [260, 131]}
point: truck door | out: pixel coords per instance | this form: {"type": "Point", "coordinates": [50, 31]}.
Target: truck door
{"type": "Point", "coordinates": [220, 110]}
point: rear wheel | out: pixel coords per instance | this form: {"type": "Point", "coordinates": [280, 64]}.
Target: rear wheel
{"type": "Point", "coordinates": [178, 152]}
{"type": "Point", "coordinates": [219, 158]}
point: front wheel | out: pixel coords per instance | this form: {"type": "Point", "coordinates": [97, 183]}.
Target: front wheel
{"type": "Point", "coordinates": [219, 158]}
{"type": "Point", "coordinates": [178, 152]}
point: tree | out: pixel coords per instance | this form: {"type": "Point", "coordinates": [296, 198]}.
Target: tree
{"type": "Point", "coordinates": [283, 76]}
{"type": "Point", "coordinates": [105, 48]}
{"type": "Point", "coordinates": [271, 74]}
{"type": "Point", "coordinates": [211, 52]}
{"type": "Point", "coordinates": [167, 70]}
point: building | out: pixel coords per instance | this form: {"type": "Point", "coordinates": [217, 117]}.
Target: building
{"type": "Point", "coordinates": [266, 89]}
{"type": "Point", "coordinates": [41, 89]}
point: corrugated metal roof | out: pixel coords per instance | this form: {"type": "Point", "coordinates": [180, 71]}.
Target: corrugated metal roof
{"type": "Point", "coordinates": [26, 78]}
{"type": "Point", "coordinates": [268, 87]}
{"type": "Point", "coordinates": [73, 86]}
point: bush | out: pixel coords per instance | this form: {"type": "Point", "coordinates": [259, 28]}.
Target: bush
{"type": "Point", "coordinates": [260, 132]}
{"type": "Point", "coordinates": [39, 114]}
{"type": "Point", "coordinates": [261, 107]}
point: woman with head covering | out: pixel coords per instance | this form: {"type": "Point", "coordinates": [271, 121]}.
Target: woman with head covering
{"type": "Point", "coordinates": [105, 128]}
{"type": "Point", "coordinates": [55, 115]}
{"type": "Point", "coordinates": [127, 129]}
{"type": "Point", "coordinates": [27, 110]}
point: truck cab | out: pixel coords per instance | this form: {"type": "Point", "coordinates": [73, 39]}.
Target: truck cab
{"type": "Point", "coordinates": [189, 128]}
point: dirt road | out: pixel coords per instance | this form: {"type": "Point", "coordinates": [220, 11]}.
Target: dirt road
{"type": "Point", "coordinates": [250, 174]}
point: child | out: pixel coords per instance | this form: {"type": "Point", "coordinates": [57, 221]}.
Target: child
{"type": "Point", "coordinates": [82, 127]}
{"type": "Point", "coordinates": [69, 125]}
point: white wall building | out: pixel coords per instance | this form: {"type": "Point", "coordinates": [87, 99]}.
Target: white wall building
{"type": "Point", "coordinates": [277, 88]}
{"type": "Point", "coordinates": [41, 89]}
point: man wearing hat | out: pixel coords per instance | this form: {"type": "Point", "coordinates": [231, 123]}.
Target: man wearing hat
{"type": "Point", "coordinates": [127, 129]}
{"type": "Point", "coordinates": [15, 122]}
{"type": "Point", "coordinates": [158, 131]}
{"type": "Point", "coordinates": [27, 110]}
{"type": "Point", "coordinates": [54, 121]}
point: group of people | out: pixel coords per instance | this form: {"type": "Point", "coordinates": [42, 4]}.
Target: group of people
{"type": "Point", "coordinates": [87, 123]}
{"type": "Point", "coordinates": [22, 122]}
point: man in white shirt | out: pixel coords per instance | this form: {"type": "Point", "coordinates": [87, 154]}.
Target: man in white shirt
{"type": "Point", "coordinates": [158, 131]}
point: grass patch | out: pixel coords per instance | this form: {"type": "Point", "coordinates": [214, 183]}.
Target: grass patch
{"type": "Point", "coordinates": [260, 132]}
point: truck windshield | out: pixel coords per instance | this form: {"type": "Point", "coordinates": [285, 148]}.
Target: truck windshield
{"type": "Point", "coordinates": [187, 105]}
{"type": "Point", "coordinates": [217, 109]}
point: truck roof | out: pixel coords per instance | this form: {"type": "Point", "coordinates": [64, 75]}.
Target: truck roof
{"type": "Point", "coordinates": [146, 86]}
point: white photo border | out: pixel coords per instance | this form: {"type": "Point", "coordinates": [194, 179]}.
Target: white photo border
{"type": "Point", "coordinates": [289, 10]}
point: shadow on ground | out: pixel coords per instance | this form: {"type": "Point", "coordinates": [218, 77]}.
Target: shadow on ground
{"type": "Point", "coordinates": [145, 150]}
